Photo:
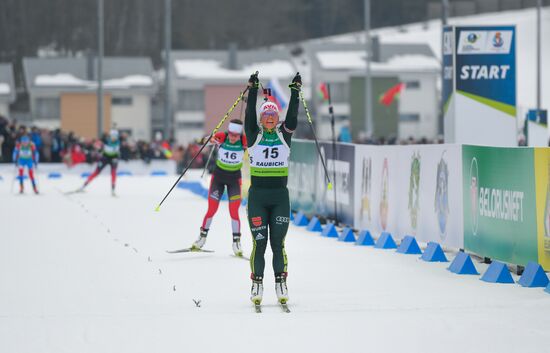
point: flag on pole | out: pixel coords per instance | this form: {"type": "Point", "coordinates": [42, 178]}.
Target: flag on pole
{"type": "Point", "coordinates": [322, 90]}
{"type": "Point", "coordinates": [278, 95]}
{"type": "Point", "coordinates": [391, 94]}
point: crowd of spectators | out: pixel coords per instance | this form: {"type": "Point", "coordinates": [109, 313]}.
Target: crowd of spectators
{"type": "Point", "coordinates": [58, 146]}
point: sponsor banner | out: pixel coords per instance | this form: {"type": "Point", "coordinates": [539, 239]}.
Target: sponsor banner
{"type": "Point", "coordinates": [542, 172]}
{"type": "Point", "coordinates": [499, 203]}
{"type": "Point", "coordinates": [486, 66]}
{"type": "Point", "coordinates": [376, 184]}
{"type": "Point", "coordinates": [343, 165]}
{"type": "Point", "coordinates": [411, 190]}
{"type": "Point", "coordinates": [308, 186]}
{"type": "Point", "coordinates": [302, 176]}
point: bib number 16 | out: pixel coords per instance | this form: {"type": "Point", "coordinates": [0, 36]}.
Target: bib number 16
{"type": "Point", "coordinates": [232, 155]}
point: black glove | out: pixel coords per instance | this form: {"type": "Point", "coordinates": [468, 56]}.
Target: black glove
{"type": "Point", "coordinates": [296, 82]}
{"type": "Point", "coordinates": [253, 80]}
{"type": "Point", "coordinates": [297, 79]}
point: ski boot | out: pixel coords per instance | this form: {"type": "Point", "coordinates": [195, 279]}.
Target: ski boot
{"type": "Point", "coordinates": [21, 189]}
{"type": "Point", "coordinates": [35, 189]}
{"type": "Point", "coordinates": [113, 193]}
{"type": "Point", "coordinates": [237, 250]}
{"type": "Point", "coordinates": [257, 291]}
{"type": "Point", "coordinates": [199, 243]}
{"type": "Point", "coordinates": [281, 288]}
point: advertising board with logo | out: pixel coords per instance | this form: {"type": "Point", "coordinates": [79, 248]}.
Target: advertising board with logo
{"type": "Point", "coordinates": [499, 203]}
{"type": "Point", "coordinates": [542, 176]}
{"type": "Point", "coordinates": [307, 183]}
{"type": "Point", "coordinates": [341, 169]}
{"type": "Point", "coordinates": [376, 185]}
{"type": "Point", "coordinates": [483, 84]}
{"type": "Point", "coordinates": [302, 177]}
{"type": "Point", "coordinates": [411, 190]}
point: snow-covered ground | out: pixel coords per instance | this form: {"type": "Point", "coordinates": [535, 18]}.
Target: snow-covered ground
{"type": "Point", "coordinates": [89, 273]}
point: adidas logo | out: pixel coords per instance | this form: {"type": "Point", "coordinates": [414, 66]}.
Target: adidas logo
{"type": "Point", "coordinates": [260, 236]}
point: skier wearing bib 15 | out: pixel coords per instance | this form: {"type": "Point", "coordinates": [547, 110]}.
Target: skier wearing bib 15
{"type": "Point", "coordinates": [268, 199]}
{"type": "Point", "coordinates": [109, 156]}
{"type": "Point", "coordinates": [25, 154]}
{"type": "Point", "coordinates": [227, 173]}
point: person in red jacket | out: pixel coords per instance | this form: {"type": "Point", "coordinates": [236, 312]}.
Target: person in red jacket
{"type": "Point", "coordinates": [227, 174]}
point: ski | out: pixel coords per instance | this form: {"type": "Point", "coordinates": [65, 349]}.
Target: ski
{"type": "Point", "coordinates": [240, 257]}
{"type": "Point", "coordinates": [77, 191]}
{"type": "Point", "coordinates": [258, 307]}
{"type": "Point", "coordinates": [284, 307]}
{"type": "Point", "coordinates": [188, 250]}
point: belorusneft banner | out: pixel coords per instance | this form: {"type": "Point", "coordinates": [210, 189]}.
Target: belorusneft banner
{"type": "Point", "coordinates": [410, 190]}
{"type": "Point", "coordinates": [483, 85]}
{"type": "Point", "coordinates": [499, 203]}
{"type": "Point", "coordinates": [308, 185]}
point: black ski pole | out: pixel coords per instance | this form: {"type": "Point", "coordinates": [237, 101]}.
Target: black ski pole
{"type": "Point", "coordinates": [208, 161]}
{"type": "Point", "coordinates": [334, 157]}
{"type": "Point", "coordinates": [203, 146]}
{"type": "Point", "coordinates": [329, 183]}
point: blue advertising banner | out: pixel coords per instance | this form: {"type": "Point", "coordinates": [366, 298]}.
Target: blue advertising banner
{"type": "Point", "coordinates": [486, 65]}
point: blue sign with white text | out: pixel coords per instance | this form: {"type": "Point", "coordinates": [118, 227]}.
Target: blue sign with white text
{"type": "Point", "coordinates": [486, 65]}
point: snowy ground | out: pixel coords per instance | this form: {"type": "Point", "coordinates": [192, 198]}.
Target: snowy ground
{"type": "Point", "coordinates": [89, 273]}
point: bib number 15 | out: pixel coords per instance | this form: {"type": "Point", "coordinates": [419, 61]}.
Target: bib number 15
{"type": "Point", "coordinates": [272, 152]}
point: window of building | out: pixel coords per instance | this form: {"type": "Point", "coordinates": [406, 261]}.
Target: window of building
{"type": "Point", "coordinates": [339, 92]}
{"type": "Point", "coordinates": [412, 84]}
{"type": "Point", "coordinates": [47, 108]}
{"type": "Point", "coordinates": [191, 100]}
{"type": "Point", "coordinates": [122, 101]}
{"type": "Point", "coordinates": [189, 125]}
{"type": "Point", "coordinates": [409, 117]}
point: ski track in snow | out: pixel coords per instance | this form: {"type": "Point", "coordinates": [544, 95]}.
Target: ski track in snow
{"type": "Point", "coordinates": [89, 273]}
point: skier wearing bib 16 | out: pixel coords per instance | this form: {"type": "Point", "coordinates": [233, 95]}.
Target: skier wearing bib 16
{"type": "Point", "coordinates": [25, 154]}
{"type": "Point", "coordinates": [110, 154]}
{"type": "Point", "coordinates": [268, 199]}
{"type": "Point", "coordinates": [227, 173]}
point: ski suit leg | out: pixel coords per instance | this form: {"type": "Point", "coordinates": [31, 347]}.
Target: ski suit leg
{"type": "Point", "coordinates": [114, 164]}
{"type": "Point", "coordinates": [214, 194]}
{"type": "Point", "coordinates": [31, 176]}
{"type": "Point", "coordinates": [21, 170]}
{"type": "Point", "coordinates": [278, 227]}
{"type": "Point", "coordinates": [258, 219]}
{"type": "Point", "coordinates": [100, 165]}
{"type": "Point", "coordinates": [268, 209]}
{"type": "Point", "coordinates": [234, 196]}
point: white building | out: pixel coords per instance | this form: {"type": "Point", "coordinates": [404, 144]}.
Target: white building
{"type": "Point", "coordinates": [413, 65]}
{"type": "Point", "coordinates": [207, 82]}
{"type": "Point", "coordinates": [129, 85]}
{"type": "Point", "coordinates": [7, 89]}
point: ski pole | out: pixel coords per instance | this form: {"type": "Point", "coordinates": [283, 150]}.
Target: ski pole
{"type": "Point", "coordinates": [208, 161]}
{"type": "Point", "coordinates": [331, 111]}
{"type": "Point", "coordinates": [329, 183]}
{"type": "Point", "coordinates": [204, 145]}
{"type": "Point", "coordinates": [13, 179]}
